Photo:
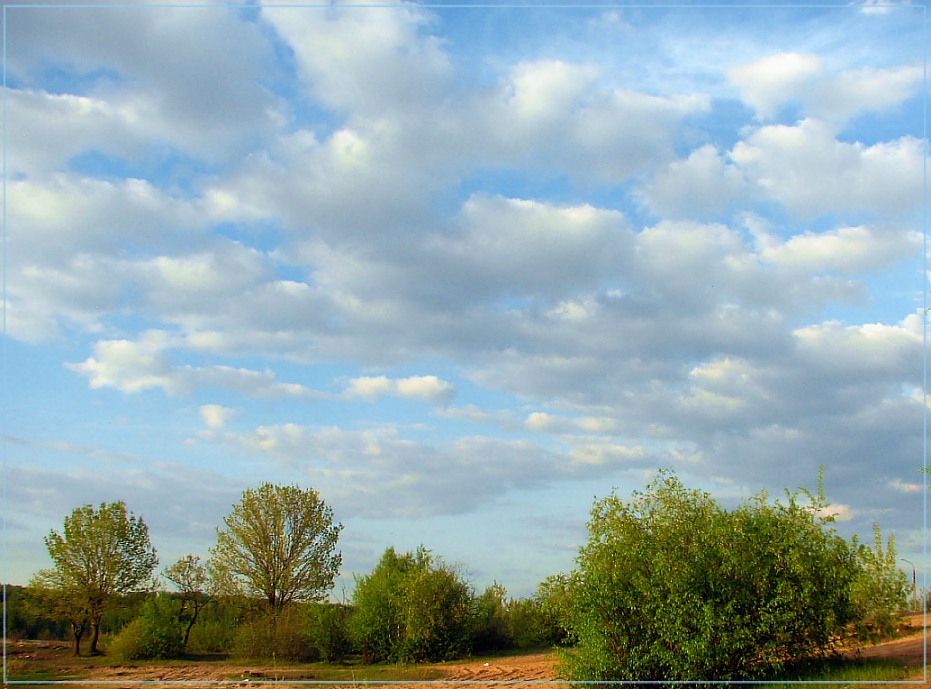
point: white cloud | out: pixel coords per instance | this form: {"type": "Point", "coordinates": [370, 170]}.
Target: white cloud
{"type": "Point", "coordinates": [849, 249]}
{"type": "Point", "coordinates": [199, 96]}
{"type": "Point", "coordinates": [216, 415]}
{"type": "Point", "coordinates": [773, 82]}
{"type": "Point", "coordinates": [134, 366]}
{"type": "Point", "coordinates": [63, 214]}
{"type": "Point", "coordinates": [872, 348]}
{"type": "Point", "coordinates": [549, 423]}
{"type": "Point", "coordinates": [841, 513]}
{"type": "Point", "coordinates": [703, 185]}
{"type": "Point", "coordinates": [544, 92]}
{"type": "Point", "coordinates": [128, 366]}
{"type": "Point", "coordinates": [903, 487]}
{"type": "Point", "coordinates": [427, 388]}
{"type": "Point", "coordinates": [769, 83]}
{"type": "Point", "coordinates": [601, 453]}
{"type": "Point", "coordinates": [368, 63]}
{"type": "Point", "coordinates": [864, 90]}
{"type": "Point", "coordinates": [811, 173]}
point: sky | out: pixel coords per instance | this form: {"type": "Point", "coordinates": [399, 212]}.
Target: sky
{"type": "Point", "coordinates": [463, 270]}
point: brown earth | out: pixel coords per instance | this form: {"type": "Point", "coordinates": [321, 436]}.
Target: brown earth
{"type": "Point", "coordinates": [909, 649]}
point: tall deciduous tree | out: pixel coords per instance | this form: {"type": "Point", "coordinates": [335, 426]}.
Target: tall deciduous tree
{"type": "Point", "coordinates": [279, 542]}
{"type": "Point", "coordinates": [192, 579]}
{"type": "Point", "coordinates": [100, 555]}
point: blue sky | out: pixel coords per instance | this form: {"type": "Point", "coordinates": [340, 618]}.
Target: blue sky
{"type": "Point", "coordinates": [461, 269]}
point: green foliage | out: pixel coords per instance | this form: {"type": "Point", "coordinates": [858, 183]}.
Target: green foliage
{"type": "Point", "coordinates": [49, 596]}
{"type": "Point", "coordinates": [155, 635]}
{"type": "Point", "coordinates": [329, 631]}
{"type": "Point", "coordinates": [535, 623]}
{"type": "Point", "coordinates": [215, 629]}
{"type": "Point", "coordinates": [25, 620]}
{"type": "Point", "coordinates": [196, 588]}
{"type": "Point", "coordinates": [284, 636]}
{"type": "Point", "coordinates": [211, 636]}
{"type": "Point", "coordinates": [673, 587]}
{"type": "Point", "coordinates": [437, 615]}
{"type": "Point", "coordinates": [279, 543]}
{"type": "Point", "coordinates": [492, 620]}
{"type": "Point", "coordinates": [411, 608]}
{"type": "Point", "coordinates": [102, 554]}
{"type": "Point", "coordinates": [555, 598]}
{"type": "Point", "coordinates": [880, 590]}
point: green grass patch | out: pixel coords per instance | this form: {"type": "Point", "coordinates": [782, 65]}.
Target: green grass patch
{"type": "Point", "coordinates": [844, 671]}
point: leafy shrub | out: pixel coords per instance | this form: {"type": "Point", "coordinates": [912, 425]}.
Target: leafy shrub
{"type": "Point", "coordinates": [156, 634]}
{"type": "Point", "coordinates": [329, 631]}
{"type": "Point", "coordinates": [283, 637]}
{"type": "Point", "coordinates": [532, 625]}
{"type": "Point", "coordinates": [880, 590]}
{"type": "Point", "coordinates": [673, 587]}
{"type": "Point", "coordinates": [211, 636]}
{"type": "Point", "coordinates": [411, 608]}
{"type": "Point", "coordinates": [492, 620]}
{"type": "Point", "coordinates": [127, 644]}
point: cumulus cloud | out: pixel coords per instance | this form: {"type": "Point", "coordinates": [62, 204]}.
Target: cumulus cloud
{"type": "Point", "coordinates": [394, 64]}
{"type": "Point", "coordinates": [769, 83]}
{"type": "Point", "coordinates": [848, 249]}
{"type": "Point", "coordinates": [773, 82]}
{"type": "Point", "coordinates": [427, 388]}
{"type": "Point", "coordinates": [809, 171]}
{"type": "Point", "coordinates": [216, 415]}
{"type": "Point", "coordinates": [550, 423]}
{"type": "Point", "coordinates": [133, 366]}
{"type": "Point", "coordinates": [135, 94]}
{"type": "Point", "coordinates": [703, 185]}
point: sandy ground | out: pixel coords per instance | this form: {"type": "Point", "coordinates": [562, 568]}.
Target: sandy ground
{"type": "Point", "coordinates": [530, 669]}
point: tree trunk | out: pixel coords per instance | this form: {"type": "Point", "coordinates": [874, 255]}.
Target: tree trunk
{"type": "Point", "coordinates": [95, 634]}
{"type": "Point", "coordinates": [77, 632]}
{"type": "Point", "coordinates": [190, 624]}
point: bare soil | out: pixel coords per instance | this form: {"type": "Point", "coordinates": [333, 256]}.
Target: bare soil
{"type": "Point", "coordinates": [908, 649]}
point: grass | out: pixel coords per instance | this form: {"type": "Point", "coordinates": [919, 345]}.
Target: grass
{"type": "Point", "coordinates": [843, 671]}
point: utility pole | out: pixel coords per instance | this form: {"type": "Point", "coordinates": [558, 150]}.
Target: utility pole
{"type": "Point", "coordinates": [914, 583]}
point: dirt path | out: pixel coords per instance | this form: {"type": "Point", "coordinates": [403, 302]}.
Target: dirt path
{"type": "Point", "coordinates": [908, 649]}
{"type": "Point", "coordinates": [531, 668]}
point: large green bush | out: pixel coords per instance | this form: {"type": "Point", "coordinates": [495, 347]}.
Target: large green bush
{"type": "Point", "coordinates": [411, 608]}
{"type": "Point", "coordinates": [211, 636]}
{"type": "Point", "coordinates": [285, 636]}
{"type": "Point", "coordinates": [328, 628]}
{"type": "Point", "coordinates": [155, 635]}
{"type": "Point", "coordinates": [673, 587]}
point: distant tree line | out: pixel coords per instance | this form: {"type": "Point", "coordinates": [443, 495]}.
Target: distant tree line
{"type": "Point", "coordinates": [670, 586]}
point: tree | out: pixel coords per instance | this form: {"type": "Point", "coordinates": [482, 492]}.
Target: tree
{"type": "Point", "coordinates": [673, 587]}
{"type": "Point", "coordinates": [279, 543]}
{"type": "Point", "coordinates": [411, 608]}
{"type": "Point", "coordinates": [50, 597]}
{"type": "Point", "coordinates": [880, 591]}
{"type": "Point", "coordinates": [101, 555]}
{"type": "Point", "coordinates": [492, 630]}
{"type": "Point", "coordinates": [196, 586]}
